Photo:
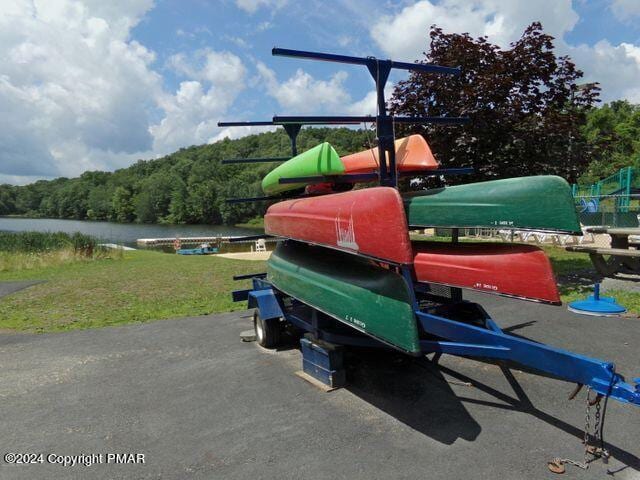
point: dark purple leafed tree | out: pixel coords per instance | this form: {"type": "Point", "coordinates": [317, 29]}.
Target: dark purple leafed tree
{"type": "Point", "coordinates": [525, 105]}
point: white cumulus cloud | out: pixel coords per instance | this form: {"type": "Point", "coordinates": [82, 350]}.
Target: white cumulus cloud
{"type": "Point", "coordinates": [303, 94]}
{"type": "Point", "coordinates": [77, 93]}
{"type": "Point", "coordinates": [191, 114]}
{"type": "Point", "coordinates": [70, 80]}
{"type": "Point", "coordinates": [616, 67]}
{"type": "Point", "coordinates": [625, 9]}
{"type": "Point", "coordinates": [251, 6]}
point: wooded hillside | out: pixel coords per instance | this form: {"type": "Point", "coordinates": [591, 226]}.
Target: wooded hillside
{"type": "Point", "coordinates": [188, 186]}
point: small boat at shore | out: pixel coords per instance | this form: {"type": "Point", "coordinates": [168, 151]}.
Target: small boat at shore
{"type": "Point", "coordinates": [513, 270]}
{"type": "Point", "coordinates": [369, 222]}
{"type": "Point", "coordinates": [202, 250]}
{"type": "Point", "coordinates": [351, 289]}
{"type": "Point", "coordinates": [543, 203]}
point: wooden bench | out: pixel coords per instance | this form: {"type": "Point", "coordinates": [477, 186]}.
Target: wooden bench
{"type": "Point", "coordinates": [622, 255]}
{"type": "Point", "coordinates": [620, 252]}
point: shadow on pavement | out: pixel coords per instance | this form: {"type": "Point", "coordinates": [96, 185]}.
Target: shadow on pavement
{"type": "Point", "coordinates": [397, 385]}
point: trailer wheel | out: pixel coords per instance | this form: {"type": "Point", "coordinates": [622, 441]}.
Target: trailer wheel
{"type": "Point", "coordinates": [267, 333]}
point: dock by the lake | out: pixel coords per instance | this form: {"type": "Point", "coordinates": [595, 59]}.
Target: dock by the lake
{"type": "Point", "coordinates": [158, 242]}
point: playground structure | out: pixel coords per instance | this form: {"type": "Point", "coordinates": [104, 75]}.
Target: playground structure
{"type": "Point", "coordinates": [620, 187]}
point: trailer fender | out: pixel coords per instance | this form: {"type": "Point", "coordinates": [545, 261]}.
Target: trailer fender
{"type": "Point", "coordinates": [267, 302]}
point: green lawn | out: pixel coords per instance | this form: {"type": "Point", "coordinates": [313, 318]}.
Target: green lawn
{"type": "Point", "coordinates": [140, 286]}
{"type": "Point", "coordinates": [255, 223]}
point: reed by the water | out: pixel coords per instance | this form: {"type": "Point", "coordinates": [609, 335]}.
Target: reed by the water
{"type": "Point", "coordinates": [28, 250]}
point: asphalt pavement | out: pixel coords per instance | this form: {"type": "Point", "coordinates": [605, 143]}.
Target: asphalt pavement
{"type": "Point", "coordinates": [198, 403]}
{"type": "Point", "coordinates": [7, 288]}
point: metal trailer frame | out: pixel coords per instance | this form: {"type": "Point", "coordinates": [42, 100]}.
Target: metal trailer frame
{"type": "Point", "coordinates": [443, 331]}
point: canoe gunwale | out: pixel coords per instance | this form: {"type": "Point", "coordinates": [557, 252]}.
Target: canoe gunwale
{"type": "Point", "coordinates": [336, 249]}
{"type": "Point", "coordinates": [497, 227]}
{"type": "Point", "coordinates": [488, 292]}
{"type": "Point", "coordinates": [355, 327]}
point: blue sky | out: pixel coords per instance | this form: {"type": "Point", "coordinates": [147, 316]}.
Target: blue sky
{"type": "Point", "coordinates": [97, 85]}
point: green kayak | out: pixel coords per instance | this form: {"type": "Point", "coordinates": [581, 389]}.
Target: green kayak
{"type": "Point", "coordinates": [320, 160]}
{"type": "Point", "coordinates": [540, 203]}
{"type": "Point", "coordinates": [371, 299]}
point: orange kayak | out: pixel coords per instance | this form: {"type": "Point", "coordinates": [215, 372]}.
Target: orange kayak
{"type": "Point", "coordinates": [412, 153]}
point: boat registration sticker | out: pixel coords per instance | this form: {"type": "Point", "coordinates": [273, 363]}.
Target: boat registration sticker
{"type": "Point", "coordinates": [485, 286]}
{"type": "Point", "coordinates": [503, 223]}
{"type": "Point", "coordinates": [355, 321]}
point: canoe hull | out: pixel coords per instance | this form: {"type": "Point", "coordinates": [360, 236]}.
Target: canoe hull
{"type": "Point", "coordinates": [373, 300]}
{"type": "Point", "coordinates": [412, 153]}
{"type": "Point", "coordinates": [319, 160]}
{"type": "Point", "coordinates": [541, 203]}
{"type": "Point", "coordinates": [368, 222]}
{"type": "Point", "coordinates": [521, 271]}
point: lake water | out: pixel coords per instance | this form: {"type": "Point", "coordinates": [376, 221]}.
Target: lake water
{"type": "Point", "coordinates": [120, 233]}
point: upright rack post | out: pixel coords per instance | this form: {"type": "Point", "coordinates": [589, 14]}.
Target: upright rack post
{"type": "Point", "coordinates": [379, 70]}
{"type": "Point", "coordinates": [292, 129]}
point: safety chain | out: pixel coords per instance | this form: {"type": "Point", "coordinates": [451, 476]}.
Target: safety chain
{"type": "Point", "coordinates": [591, 451]}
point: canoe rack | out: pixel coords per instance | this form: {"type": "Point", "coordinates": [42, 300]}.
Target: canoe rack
{"type": "Point", "coordinates": [379, 70]}
{"type": "Point", "coordinates": [447, 323]}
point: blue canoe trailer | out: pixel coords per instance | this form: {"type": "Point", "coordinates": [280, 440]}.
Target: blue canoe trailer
{"type": "Point", "coordinates": [445, 327]}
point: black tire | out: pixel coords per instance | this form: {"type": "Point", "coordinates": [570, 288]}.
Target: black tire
{"type": "Point", "coordinates": [267, 333]}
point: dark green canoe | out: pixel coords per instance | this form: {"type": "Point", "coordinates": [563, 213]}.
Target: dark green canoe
{"type": "Point", "coordinates": [351, 289]}
{"type": "Point", "coordinates": [542, 203]}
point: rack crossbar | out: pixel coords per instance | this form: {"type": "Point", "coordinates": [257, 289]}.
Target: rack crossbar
{"type": "Point", "coordinates": [331, 57]}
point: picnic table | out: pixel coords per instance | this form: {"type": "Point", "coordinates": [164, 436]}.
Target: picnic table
{"type": "Point", "coordinates": [623, 255]}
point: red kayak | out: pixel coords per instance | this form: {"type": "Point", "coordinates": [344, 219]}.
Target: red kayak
{"type": "Point", "coordinates": [369, 222]}
{"type": "Point", "coordinates": [521, 271]}
{"type": "Point", "coordinates": [412, 153]}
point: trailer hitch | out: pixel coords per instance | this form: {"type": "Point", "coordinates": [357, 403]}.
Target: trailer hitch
{"type": "Point", "coordinates": [575, 392]}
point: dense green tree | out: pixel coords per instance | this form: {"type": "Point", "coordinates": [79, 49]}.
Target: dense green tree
{"type": "Point", "coordinates": [188, 186]}
{"type": "Point", "coordinates": [7, 199]}
{"type": "Point", "coordinates": [99, 203]}
{"type": "Point", "coordinates": [614, 132]}
{"type": "Point", "coordinates": [122, 205]}
{"type": "Point", "coordinates": [524, 103]}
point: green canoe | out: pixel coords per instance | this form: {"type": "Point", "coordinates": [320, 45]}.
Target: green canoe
{"type": "Point", "coordinates": [351, 289]}
{"type": "Point", "coordinates": [320, 160]}
{"type": "Point", "coordinates": [540, 203]}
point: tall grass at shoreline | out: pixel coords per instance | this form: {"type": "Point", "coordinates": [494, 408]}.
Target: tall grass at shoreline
{"type": "Point", "coordinates": [29, 250]}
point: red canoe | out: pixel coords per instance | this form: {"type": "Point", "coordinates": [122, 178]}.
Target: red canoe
{"type": "Point", "coordinates": [521, 271]}
{"type": "Point", "coordinates": [412, 153]}
{"type": "Point", "coordinates": [368, 222]}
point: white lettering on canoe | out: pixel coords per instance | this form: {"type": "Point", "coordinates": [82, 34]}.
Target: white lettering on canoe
{"type": "Point", "coordinates": [485, 286]}
{"type": "Point", "coordinates": [503, 223]}
{"type": "Point", "coordinates": [355, 321]}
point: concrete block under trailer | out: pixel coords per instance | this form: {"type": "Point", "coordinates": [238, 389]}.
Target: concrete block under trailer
{"type": "Point", "coordinates": [442, 330]}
